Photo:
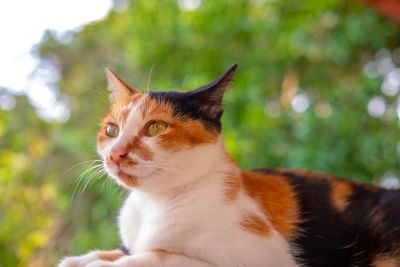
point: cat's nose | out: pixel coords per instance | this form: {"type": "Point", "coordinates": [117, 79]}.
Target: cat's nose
{"type": "Point", "coordinates": [117, 155]}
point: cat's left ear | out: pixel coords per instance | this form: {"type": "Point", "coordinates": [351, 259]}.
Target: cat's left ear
{"type": "Point", "coordinates": [117, 87]}
{"type": "Point", "coordinates": [209, 97]}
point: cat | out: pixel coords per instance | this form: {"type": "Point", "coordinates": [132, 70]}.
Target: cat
{"type": "Point", "coordinates": [190, 205]}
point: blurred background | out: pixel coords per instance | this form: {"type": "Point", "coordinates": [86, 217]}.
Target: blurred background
{"type": "Point", "coordinates": [317, 88]}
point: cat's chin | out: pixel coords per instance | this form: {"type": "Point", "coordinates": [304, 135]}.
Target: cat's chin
{"type": "Point", "coordinates": [127, 179]}
{"type": "Point", "coordinates": [124, 178]}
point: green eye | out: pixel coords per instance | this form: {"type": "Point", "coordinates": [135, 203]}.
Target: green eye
{"type": "Point", "coordinates": [112, 130]}
{"type": "Point", "coordinates": [155, 127]}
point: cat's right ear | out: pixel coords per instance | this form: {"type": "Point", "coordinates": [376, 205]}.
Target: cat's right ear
{"type": "Point", "coordinates": [117, 87]}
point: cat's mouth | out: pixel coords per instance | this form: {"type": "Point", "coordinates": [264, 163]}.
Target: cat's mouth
{"type": "Point", "coordinates": [130, 172]}
{"type": "Point", "coordinates": [121, 173]}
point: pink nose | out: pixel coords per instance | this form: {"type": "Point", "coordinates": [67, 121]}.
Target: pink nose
{"type": "Point", "coordinates": [117, 155]}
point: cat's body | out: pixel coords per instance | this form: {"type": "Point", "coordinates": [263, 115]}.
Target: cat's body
{"type": "Point", "coordinates": [191, 206]}
{"type": "Point", "coordinates": [203, 222]}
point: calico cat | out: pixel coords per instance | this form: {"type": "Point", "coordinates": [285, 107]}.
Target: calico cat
{"type": "Point", "coordinates": [190, 205]}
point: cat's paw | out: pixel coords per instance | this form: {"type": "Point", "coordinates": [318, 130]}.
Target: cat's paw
{"type": "Point", "coordinates": [78, 261]}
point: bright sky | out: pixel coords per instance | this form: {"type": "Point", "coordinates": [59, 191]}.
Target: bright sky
{"type": "Point", "coordinates": [22, 24]}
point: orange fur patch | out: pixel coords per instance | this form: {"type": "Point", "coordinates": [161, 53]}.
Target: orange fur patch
{"type": "Point", "coordinates": [140, 149]}
{"type": "Point", "coordinates": [233, 184]}
{"type": "Point", "coordinates": [128, 161]}
{"type": "Point", "coordinates": [127, 179]}
{"type": "Point", "coordinates": [110, 255]}
{"type": "Point", "coordinates": [186, 133]}
{"type": "Point", "coordinates": [340, 193]}
{"type": "Point", "coordinates": [254, 224]}
{"type": "Point", "coordinates": [276, 198]}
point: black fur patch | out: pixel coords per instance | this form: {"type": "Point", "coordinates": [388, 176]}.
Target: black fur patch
{"type": "Point", "coordinates": [188, 107]}
{"type": "Point", "coordinates": [370, 224]}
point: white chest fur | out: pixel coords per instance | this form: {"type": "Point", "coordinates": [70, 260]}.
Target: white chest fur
{"type": "Point", "coordinates": [200, 224]}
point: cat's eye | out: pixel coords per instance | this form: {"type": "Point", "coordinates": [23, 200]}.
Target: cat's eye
{"type": "Point", "coordinates": [155, 127]}
{"type": "Point", "coordinates": [112, 130]}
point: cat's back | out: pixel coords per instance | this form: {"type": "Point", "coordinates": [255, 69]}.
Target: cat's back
{"type": "Point", "coordinates": [329, 221]}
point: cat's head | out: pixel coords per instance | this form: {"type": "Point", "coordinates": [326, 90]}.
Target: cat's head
{"type": "Point", "coordinates": [161, 139]}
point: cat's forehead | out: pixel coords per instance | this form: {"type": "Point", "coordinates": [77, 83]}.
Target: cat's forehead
{"type": "Point", "coordinates": [120, 109]}
{"type": "Point", "coordinates": [140, 107]}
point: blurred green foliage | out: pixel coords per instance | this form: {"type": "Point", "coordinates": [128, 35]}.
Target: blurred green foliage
{"type": "Point", "coordinates": [307, 56]}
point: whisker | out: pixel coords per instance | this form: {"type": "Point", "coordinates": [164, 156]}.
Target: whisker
{"type": "Point", "coordinates": [122, 190]}
{"type": "Point", "coordinates": [90, 182]}
{"type": "Point", "coordinates": [105, 182]}
{"type": "Point", "coordinates": [117, 187]}
{"type": "Point", "coordinates": [94, 169]}
{"type": "Point", "coordinates": [80, 177]}
{"type": "Point", "coordinates": [79, 164]}
{"type": "Point", "coordinates": [108, 182]}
